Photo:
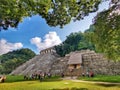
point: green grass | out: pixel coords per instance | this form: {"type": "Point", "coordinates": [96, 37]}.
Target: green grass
{"type": "Point", "coordinates": [103, 78]}
{"type": "Point", "coordinates": [12, 78]}
{"type": "Point", "coordinates": [54, 83]}
{"type": "Point", "coordinates": [53, 78]}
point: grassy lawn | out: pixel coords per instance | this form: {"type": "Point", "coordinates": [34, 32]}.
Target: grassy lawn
{"type": "Point", "coordinates": [103, 78]}
{"type": "Point", "coordinates": [11, 78]}
{"type": "Point", "coordinates": [18, 83]}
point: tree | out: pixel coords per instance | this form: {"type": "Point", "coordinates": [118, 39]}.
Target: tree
{"type": "Point", "coordinates": [75, 41]}
{"type": "Point", "coordinates": [55, 12]}
{"type": "Point", "coordinates": [107, 32]}
{"type": "Point", "coordinates": [13, 59]}
{"type": "Point", "coordinates": [89, 37]}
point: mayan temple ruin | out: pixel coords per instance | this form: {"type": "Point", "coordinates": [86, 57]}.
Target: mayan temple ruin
{"type": "Point", "coordinates": [75, 63]}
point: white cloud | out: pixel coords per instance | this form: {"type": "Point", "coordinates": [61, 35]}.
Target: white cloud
{"type": "Point", "coordinates": [50, 39]}
{"type": "Point", "coordinates": [7, 46]}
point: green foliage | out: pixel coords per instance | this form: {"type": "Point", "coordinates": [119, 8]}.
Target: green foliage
{"type": "Point", "coordinates": [75, 41]}
{"type": "Point", "coordinates": [89, 35]}
{"type": "Point", "coordinates": [13, 59]}
{"type": "Point", "coordinates": [107, 33]}
{"type": "Point", "coordinates": [55, 12]}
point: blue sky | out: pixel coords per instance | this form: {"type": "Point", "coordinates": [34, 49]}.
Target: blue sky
{"type": "Point", "coordinates": [35, 34]}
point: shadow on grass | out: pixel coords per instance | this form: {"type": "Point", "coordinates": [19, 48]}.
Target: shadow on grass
{"type": "Point", "coordinates": [74, 88]}
{"type": "Point", "coordinates": [107, 85]}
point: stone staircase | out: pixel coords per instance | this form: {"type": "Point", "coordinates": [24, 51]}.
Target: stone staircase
{"type": "Point", "coordinates": [59, 66]}
{"type": "Point", "coordinates": [41, 63]}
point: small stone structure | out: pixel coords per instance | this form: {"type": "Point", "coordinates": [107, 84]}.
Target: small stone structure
{"type": "Point", "coordinates": [75, 61]}
{"type": "Point", "coordinates": [48, 50]}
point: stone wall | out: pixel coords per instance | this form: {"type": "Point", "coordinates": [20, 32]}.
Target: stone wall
{"type": "Point", "coordinates": [107, 67]}
{"type": "Point", "coordinates": [100, 65]}
{"type": "Point", "coordinates": [95, 62]}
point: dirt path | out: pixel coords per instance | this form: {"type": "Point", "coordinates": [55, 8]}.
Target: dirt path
{"type": "Point", "coordinates": [74, 79]}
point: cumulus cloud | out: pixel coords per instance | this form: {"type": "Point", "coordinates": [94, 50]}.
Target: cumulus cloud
{"type": "Point", "coordinates": [50, 39]}
{"type": "Point", "coordinates": [7, 46]}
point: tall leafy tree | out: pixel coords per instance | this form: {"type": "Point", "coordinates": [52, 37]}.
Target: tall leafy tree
{"type": "Point", "coordinates": [55, 12]}
{"type": "Point", "coordinates": [107, 32]}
